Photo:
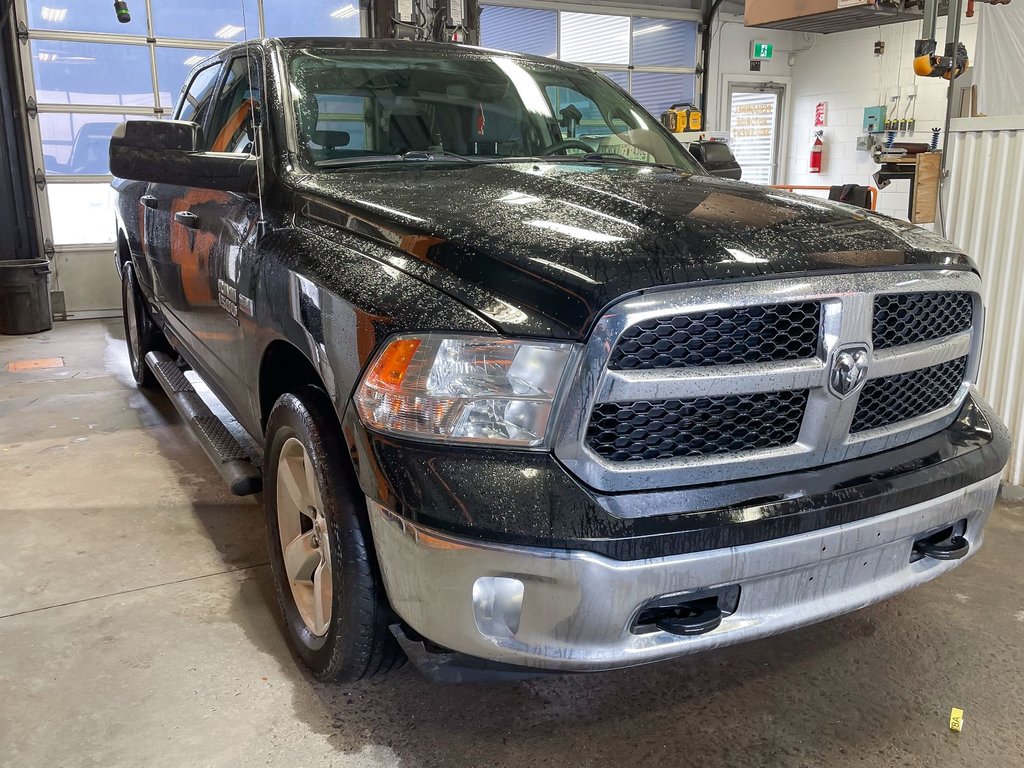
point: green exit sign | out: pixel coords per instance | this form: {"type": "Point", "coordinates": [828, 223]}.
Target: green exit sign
{"type": "Point", "coordinates": [761, 51]}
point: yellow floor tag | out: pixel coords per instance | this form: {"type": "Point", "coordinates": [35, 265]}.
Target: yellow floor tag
{"type": "Point", "coordinates": [956, 720]}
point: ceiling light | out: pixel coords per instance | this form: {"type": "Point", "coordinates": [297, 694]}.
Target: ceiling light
{"type": "Point", "coordinates": [648, 30]}
{"type": "Point", "coordinates": [45, 56]}
{"type": "Point", "coordinates": [191, 61]}
{"type": "Point", "coordinates": [228, 31]}
{"type": "Point", "coordinates": [345, 12]}
{"type": "Point", "coordinates": [55, 15]}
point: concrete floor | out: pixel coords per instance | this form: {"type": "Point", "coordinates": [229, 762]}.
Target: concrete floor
{"type": "Point", "coordinates": [138, 628]}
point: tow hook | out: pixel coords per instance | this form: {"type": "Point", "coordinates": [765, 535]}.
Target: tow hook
{"type": "Point", "coordinates": [946, 544]}
{"type": "Point", "coordinates": [693, 613]}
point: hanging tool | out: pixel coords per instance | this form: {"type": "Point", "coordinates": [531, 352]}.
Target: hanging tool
{"type": "Point", "coordinates": [955, 61]}
{"type": "Point", "coordinates": [121, 9]}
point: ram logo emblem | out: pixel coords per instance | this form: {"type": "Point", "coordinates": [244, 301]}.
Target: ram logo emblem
{"type": "Point", "coordinates": [849, 370]}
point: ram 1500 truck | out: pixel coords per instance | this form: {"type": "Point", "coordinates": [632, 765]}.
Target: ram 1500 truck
{"type": "Point", "coordinates": [528, 390]}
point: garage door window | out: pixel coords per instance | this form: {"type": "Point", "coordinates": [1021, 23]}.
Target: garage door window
{"type": "Point", "coordinates": [298, 18]}
{"type": "Point", "coordinates": [79, 16]}
{"type": "Point", "coordinates": [523, 30]}
{"type": "Point", "coordinates": [76, 143]}
{"type": "Point", "coordinates": [594, 38]}
{"type": "Point", "coordinates": [222, 20]}
{"type": "Point", "coordinates": [100, 74]}
{"type": "Point", "coordinates": [87, 72]}
{"type": "Point", "coordinates": [655, 59]}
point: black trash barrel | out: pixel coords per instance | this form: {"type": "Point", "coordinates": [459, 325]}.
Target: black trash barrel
{"type": "Point", "coordinates": [25, 296]}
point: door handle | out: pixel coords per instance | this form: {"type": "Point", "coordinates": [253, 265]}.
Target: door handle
{"type": "Point", "coordinates": [149, 201]}
{"type": "Point", "coordinates": [187, 219]}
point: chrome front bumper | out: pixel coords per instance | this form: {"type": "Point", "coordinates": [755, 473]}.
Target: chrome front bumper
{"type": "Point", "coordinates": [574, 611]}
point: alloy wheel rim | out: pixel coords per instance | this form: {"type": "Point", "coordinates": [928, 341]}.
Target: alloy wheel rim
{"type": "Point", "coordinates": [305, 544]}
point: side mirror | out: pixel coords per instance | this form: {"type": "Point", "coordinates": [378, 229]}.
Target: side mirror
{"type": "Point", "coordinates": [170, 152]}
{"type": "Point", "coordinates": [717, 159]}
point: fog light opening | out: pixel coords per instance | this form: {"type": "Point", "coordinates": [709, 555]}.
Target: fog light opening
{"type": "Point", "coordinates": [498, 605]}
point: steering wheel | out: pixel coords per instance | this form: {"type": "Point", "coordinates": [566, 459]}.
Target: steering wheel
{"type": "Point", "coordinates": [566, 144]}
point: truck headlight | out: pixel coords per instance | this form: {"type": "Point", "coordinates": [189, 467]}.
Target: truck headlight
{"type": "Point", "coordinates": [464, 389]}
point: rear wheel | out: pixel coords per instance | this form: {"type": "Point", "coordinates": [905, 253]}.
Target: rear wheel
{"type": "Point", "coordinates": [140, 332]}
{"type": "Point", "coordinates": [328, 584]}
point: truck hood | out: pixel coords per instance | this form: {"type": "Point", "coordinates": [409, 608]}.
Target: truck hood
{"type": "Point", "coordinates": [542, 248]}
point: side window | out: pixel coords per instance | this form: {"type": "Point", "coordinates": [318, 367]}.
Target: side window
{"type": "Point", "coordinates": [231, 129]}
{"type": "Point", "coordinates": [195, 105]}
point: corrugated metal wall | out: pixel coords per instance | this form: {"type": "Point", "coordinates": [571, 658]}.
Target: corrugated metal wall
{"type": "Point", "coordinates": [986, 217]}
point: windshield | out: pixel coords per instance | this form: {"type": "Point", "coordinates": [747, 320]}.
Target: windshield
{"type": "Point", "coordinates": [354, 108]}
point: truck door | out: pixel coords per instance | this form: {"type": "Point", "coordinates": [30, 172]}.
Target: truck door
{"type": "Point", "coordinates": [213, 237]}
{"type": "Point", "coordinates": [173, 283]}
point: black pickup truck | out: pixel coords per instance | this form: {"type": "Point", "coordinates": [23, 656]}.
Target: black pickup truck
{"type": "Point", "coordinates": [527, 389]}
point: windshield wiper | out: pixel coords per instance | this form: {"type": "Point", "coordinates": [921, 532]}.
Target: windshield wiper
{"type": "Point", "coordinates": [416, 155]}
{"type": "Point", "coordinates": [426, 154]}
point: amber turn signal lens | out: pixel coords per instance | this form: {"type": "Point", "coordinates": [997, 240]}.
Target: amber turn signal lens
{"type": "Point", "coordinates": [392, 365]}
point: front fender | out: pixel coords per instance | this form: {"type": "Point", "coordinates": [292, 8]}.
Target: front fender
{"type": "Point", "coordinates": [337, 305]}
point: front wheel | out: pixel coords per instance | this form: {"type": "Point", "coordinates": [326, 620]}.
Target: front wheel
{"type": "Point", "coordinates": [328, 584]}
{"type": "Point", "coordinates": [140, 332]}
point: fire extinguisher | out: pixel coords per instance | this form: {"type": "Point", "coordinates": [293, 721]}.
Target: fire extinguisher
{"type": "Point", "coordinates": [817, 149]}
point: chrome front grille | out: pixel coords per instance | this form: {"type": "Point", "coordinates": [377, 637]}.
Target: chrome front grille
{"type": "Point", "coordinates": [665, 429]}
{"type": "Point", "coordinates": [651, 409]}
{"type": "Point", "coordinates": [722, 337]}
{"type": "Point", "coordinates": [909, 318]}
{"type": "Point", "coordinates": [891, 400]}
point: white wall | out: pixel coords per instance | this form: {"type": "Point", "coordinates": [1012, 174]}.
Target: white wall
{"type": "Point", "coordinates": [842, 70]}
{"type": "Point", "coordinates": [730, 60]}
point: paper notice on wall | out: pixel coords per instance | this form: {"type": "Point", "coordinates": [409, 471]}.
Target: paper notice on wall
{"type": "Point", "coordinates": [1000, 51]}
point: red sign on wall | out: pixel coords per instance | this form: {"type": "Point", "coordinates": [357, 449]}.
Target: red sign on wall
{"type": "Point", "coordinates": [821, 114]}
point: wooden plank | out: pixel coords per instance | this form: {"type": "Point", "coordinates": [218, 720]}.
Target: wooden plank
{"type": "Point", "coordinates": [926, 188]}
{"type": "Point", "coordinates": [767, 11]}
{"type": "Point", "coordinates": [35, 365]}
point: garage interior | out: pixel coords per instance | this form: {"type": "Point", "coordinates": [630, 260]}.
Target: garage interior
{"type": "Point", "coordinates": [138, 618]}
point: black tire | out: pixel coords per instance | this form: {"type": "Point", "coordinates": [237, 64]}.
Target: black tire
{"type": "Point", "coordinates": [358, 642]}
{"type": "Point", "coordinates": [142, 336]}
